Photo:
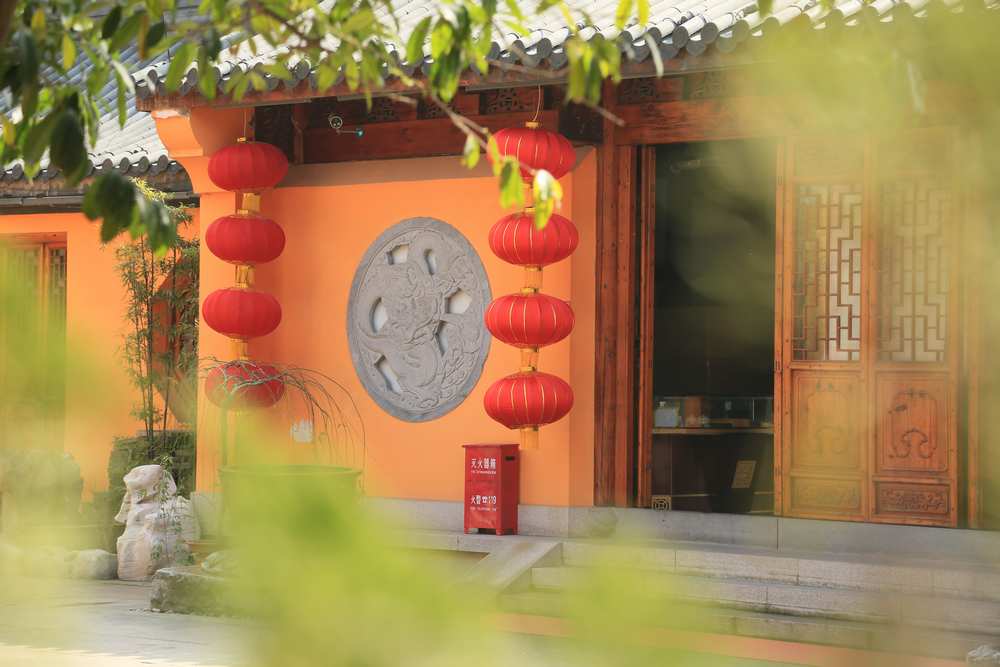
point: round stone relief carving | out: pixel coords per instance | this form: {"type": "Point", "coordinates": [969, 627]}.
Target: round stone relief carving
{"type": "Point", "coordinates": [415, 319]}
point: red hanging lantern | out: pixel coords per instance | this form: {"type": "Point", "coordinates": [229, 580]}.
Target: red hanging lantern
{"type": "Point", "coordinates": [245, 239]}
{"type": "Point", "coordinates": [529, 320]}
{"type": "Point", "coordinates": [241, 313]}
{"type": "Point", "coordinates": [528, 400]}
{"type": "Point", "coordinates": [243, 384]}
{"type": "Point", "coordinates": [516, 240]}
{"type": "Point", "coordinates": [248, 166]}
{"type": "Point", "coordinates": [536, 148]}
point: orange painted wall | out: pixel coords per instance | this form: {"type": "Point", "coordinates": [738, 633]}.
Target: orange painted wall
{"type": "Point", "coordinates": [94, 316]}
{"type": "Point", "coordinates": [99, 397]}
{"type": "Point", "coordinates": [331, 214]}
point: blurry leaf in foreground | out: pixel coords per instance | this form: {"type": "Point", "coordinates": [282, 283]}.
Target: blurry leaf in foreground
{"type": "Point", "coordinates": [122, 206]}
{"type": "Point", "coordinates": [330, 582]}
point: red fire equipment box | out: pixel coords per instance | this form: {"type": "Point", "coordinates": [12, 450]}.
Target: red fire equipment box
{"type": "Point", "coordinates": [492, 488]}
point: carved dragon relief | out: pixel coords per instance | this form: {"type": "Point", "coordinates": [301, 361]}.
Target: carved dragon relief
{"type": "Point", "coordinates": [415, 319]}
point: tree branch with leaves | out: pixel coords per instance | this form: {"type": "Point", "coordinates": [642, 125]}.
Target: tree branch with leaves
{"type": "Point", "coordinates": [365, 42]}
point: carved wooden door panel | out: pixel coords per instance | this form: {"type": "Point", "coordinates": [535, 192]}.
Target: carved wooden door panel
{"type": "Point", "coordinates": [866, 365]}
{"type": "Point", "coordinates": [915, 313]}
{"type": "Point", "coordinates": [823, 461]}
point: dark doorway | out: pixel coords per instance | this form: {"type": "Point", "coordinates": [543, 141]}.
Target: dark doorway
{"type": "Point", "coordinates": [713, 327]}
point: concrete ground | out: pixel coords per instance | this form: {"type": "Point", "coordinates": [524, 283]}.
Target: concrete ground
{"type": "Point", "coordinates": [66, 623]}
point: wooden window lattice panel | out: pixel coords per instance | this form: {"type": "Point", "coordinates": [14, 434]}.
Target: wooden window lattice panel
{"type": "Point", "coordinates": [383, 110]}
{"type": "Point", "coordinates": [509, 100]}
{"type": "Point", "coordinates": [56, 286]}
{"type": "Point", "coordinates": [826, 284]}
{"type": "Point", "coordinates": [914, 280]}
{"type": "Point", "coordinates": [651, 89]}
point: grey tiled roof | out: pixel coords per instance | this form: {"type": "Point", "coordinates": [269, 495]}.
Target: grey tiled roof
{"type": "Point", "coordinates": [134, 149]}
{"type": "Point", "coordinates": [678, 29]}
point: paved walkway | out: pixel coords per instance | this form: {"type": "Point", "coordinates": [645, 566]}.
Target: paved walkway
{"type": "Point", "coordinates": [66, 623]}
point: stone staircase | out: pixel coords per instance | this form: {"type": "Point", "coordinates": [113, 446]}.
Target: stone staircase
{"type": "Point", "coordinates": [934, 608]}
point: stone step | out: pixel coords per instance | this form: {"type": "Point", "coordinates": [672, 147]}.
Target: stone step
{"type": "Point", "coordinates": [868, 573]}
{"type": "Point", "coordinates": [761, 595]}
{"type": "Point", "coordinates": [952, 645]}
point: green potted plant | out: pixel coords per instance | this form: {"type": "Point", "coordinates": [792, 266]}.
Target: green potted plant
{"type": "Point", "coordinates": [160, 351]}
{"type": "Point", "coordinates": [329, 422]}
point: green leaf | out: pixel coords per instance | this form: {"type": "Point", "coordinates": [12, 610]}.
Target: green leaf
{"type": "Point", "coordinates": [155, 34]}
{"type": "Point", "coordinates": [111, 22]}
{"type": "Point", "coordinates": [239, 88]}
{"type": "Point", "coordinates": [442, 39]}
{"type": "Point", "coordinates": [415, 45]}
{"type": "Point", "coordinates": [9, 131]}
{"type": "Point", "coordinates": [207, 82]}
{"type": "Point", "coordinates": [38, 138]}
{"type": "Point", "coordinates": [547, 195]}
{"type": "Point", "coordinates": [643, 7]}
{"type": "Point", "coordinates": [278, 70]}
{"type": "Point", "coordinates": [493, 153]}
{"type": "Point", "coordinates": [470, 153]}
{"type": "Point", "coordinates": [151, 218]}
{"type": "Point", "coordinates": [326, 74]}
{"type": "Point", "coordinates": [351, 73]}
{"type": "Point", "coordinates": [29, 100]}
{"type": "Point", "coordinates": [518, 24]}
{"type": "Point", "coordinates": [623, 13]}
{"type": "Point", "coordinates": [179, 64]}
{"type": "Point", "coordinates": [127, 32]}
{"type": "Point", "coordinates": [28, 54]}
{"type": "Point", "coordinates": [68, 51]}
{"type": "Point", "coordinates": [126, 87]}
{"type": "Point", "coordinates": [359, 20]}
{"type": "Point", "coordinates": [38, 21]}
{"type": "Point", "coordinates": [111, 197]}
{"type": "Point", "coordinates": [258, 81]}
{"type": "Point", "coordinates": [511, 187]}
{"type": "Point", "coordinates": [68, 149]}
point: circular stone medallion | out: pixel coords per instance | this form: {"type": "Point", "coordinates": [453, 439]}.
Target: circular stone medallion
{"type": "Point", "coordinates": [415, 319]}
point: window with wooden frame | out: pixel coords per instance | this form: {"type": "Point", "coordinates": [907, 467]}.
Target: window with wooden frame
{"type": "Point", "coordinates": [33, 272]}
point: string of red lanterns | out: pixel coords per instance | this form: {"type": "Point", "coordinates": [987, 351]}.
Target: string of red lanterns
{"type": "Point", "coordinates": [531, 320]}
{"type": "Point", "coordinates": [244, 239]}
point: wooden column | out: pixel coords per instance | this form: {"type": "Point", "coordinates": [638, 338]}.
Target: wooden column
{"type": "Point", "coordinates": [615, 392]}
{"type": "Point", "coordinates": [646, 311]}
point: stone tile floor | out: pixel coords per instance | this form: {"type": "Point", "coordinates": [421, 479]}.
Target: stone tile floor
{"type": "Point", "coordinates": [60, 623]}
{"type": "Point", "coordinates": [107, 624]}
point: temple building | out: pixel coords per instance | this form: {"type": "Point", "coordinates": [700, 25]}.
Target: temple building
{"type": "Point", "coordinates": [773, 316]}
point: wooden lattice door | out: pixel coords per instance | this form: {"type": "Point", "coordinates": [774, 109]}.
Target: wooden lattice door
{"type": "Point", "coordinates": [32, 341]}
{"type": "Point", "coordinates": [866, 344]}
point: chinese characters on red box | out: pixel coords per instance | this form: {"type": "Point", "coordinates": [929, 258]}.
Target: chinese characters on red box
{"type": "Point", "coordinates": [492, 485]}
